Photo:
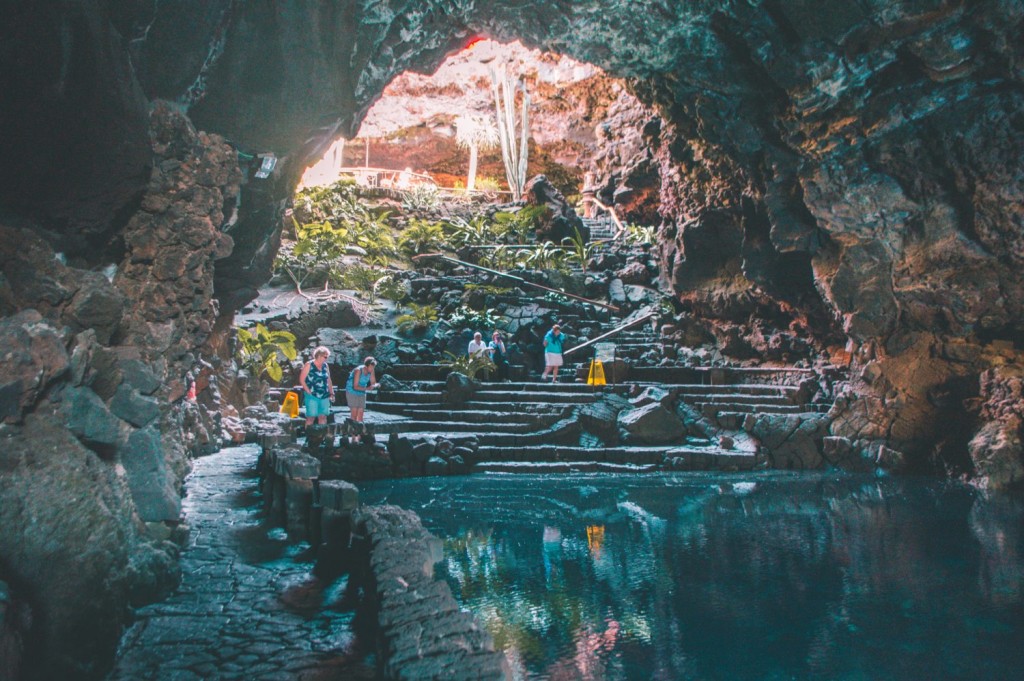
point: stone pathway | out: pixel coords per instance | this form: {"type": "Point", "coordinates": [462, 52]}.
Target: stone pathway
{"type": "Point", "coordinates": [248, 606]}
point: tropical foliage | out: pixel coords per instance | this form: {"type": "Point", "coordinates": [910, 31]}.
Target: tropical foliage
{"type": "Point", "coordinates": [468, 318]}
{"type": "Point", "coordinates": [421, 236]}
{"type": "Point", "coordinates": [579, 251]}
{"type": "Point", "coordinates": [474, 133]}
{"type": "Point", "coordinates": [419, 318]}
{"type": "Point", "coordinates": [469, 365]}
{"type": "Point", "coordinates": [259, 351]}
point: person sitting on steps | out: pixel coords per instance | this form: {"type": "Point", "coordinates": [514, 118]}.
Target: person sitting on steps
{"type": "Point", "coordinates": [360, 381]}
{"type": "Point", "coordinates": [499, 356]}
{"type": "Point", "coordinates": [553, 340]}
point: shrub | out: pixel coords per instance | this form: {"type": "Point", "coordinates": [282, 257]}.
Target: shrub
{"type": "Point", "coordinates": [259, 350]}
{"type": "Point", "coordinates": [419, 318]}
{"type": "Point", "coordinates": [468, 318]}
{"type": "Point", "coordinates": [421, 236]}
{"type": "Point", "coordinates": [468, 365]}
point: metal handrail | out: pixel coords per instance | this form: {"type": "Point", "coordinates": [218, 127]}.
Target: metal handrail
{"type": "Point", "coordinates": [614, 331]}
{"type": "Point", "coordinates": [519, 280]}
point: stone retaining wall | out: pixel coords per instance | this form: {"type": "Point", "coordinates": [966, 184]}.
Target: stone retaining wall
{"type": "Point", "coordinates": [420, 631]}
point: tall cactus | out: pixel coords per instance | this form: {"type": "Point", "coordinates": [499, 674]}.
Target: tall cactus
{"type": "Point", "coordinates": [504, 86]}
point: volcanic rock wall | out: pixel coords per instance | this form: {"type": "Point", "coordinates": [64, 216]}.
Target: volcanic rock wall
{"type": "Point", "coordinates": [851, 167]}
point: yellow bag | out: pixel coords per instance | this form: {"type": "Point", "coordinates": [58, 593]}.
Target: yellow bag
{"type": "Point", "coordinates": [290, 405]}
{"type": "Point", "coordinates": [596, 375]}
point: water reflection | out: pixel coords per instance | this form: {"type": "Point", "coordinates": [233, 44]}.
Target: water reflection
{"type": "Point", "coordinates": [715, 577]}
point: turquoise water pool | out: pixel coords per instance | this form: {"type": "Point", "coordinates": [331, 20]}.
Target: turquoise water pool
{"type": "Point", "coordinates": [773, 576]}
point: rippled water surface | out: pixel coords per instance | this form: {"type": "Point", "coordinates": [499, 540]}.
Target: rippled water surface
{"type": "Point", "coordinates": [718, 577]}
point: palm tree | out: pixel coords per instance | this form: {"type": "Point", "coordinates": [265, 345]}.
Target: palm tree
{"type": "Point", "coordinates": [474, 133]}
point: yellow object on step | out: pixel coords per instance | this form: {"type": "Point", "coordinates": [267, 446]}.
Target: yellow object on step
{"type": "Point", "coordinates": [596, 375]}
{"type": "Point", "coordinates": [290, 405]}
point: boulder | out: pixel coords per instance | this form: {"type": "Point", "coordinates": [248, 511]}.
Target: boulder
{"type": "Point", "coordinates": [601, 418]}
{"type": "Point", "coordinates": [33, 357]}
{"type": "Point", "coordinates": [133, 407]}
{"type": "Point", "coordinates": [459, 389]}
{"type": "Point", "coordinates": [616, 292]}
{"type": "Point", "coordinates": [88, 417]}
{"type": "Point", "coordinates": [561, 220]}
{"type": "Point", "coordinates": [652, 424]}
{"type": "Point", "coordinates": [390, 384]}
{"type": "Point", "coordinates": [998, 453]}
{"type": "Point", "coordinates": [96, 305]}
{"type": "Point", "coordinates": [634, 273]}
{"type": "Point", "coordinates": [436, 466]}
{"type": "Point", "coordinates": [139, 376]}
{"type": "Point", "coordinates": [791, 441]}
{"type": "Point", "coordinates": [653, 395]}
{"type": "Point", "coordinates": [148, 476]}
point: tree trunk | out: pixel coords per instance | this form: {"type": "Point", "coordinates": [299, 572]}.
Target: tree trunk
{"type": "Point", "coordinates": [474, 151]}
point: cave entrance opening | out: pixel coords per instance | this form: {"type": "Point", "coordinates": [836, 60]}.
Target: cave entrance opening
{"type": "Point", "coordinates": [441, 130]}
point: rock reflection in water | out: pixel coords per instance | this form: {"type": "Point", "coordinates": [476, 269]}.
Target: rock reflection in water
{"type": "Point", "coordinates": [717, 577]}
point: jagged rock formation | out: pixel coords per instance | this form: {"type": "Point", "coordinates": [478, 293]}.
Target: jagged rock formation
{"type": "Point", "coordinates": [852, 170]}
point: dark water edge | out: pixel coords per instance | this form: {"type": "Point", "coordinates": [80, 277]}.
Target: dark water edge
{"type": "Point", "coordinates": [712, 576]}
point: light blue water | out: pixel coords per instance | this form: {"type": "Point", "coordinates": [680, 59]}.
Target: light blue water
{"type": "Point", "coordinates": [771, 576]}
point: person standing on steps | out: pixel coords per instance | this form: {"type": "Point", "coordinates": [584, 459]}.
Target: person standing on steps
{"type": "Point", "coordinates": [315, 380]}
{"type": "Point", "coordinates": [477, 345]}
{"type": "Point", "coordinates": [553, 340]}
{"type": "Point", "coordinates": [360, 380]}
{"type": "Point", "coordinates": [499, 356]}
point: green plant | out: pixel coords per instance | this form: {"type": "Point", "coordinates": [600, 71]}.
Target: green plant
{"type": "Point", "coordinates": [419, 318]}
{"type": "Point", "coordinates": [468, 318]}
{"type": "Point", "coordinates": [489, 289]}
{"type": "Point", "coordinates": [317, 251]}
{"type": "Point", "coordinates": [474, 133]}
{"type": "Point", "coordinates": [421, 236]}
{"type": "Point", "coordinates": [259, 350]}
{"type": "Point", "coordinates": [392, 288]}
{"type": "Point", "coordinates": [638, 235]}
{"type": "Point", "coordinates": [546, 256]}
{"type": "Point", "coordinates": [420, 198]}
{"type": "Point", "coordinates": [332, 203]}
{"type": "Point", "coordinates": [503, 258]}
{"type": "Point", "coordinates": [371, 232]}
{"type": "Point", "coordinates": [487, 184]}
{"type": "Point", "coordinates": [518, 226]}
{"type": "Point", "coordinates": [514, 152]}
{"type": "Point", "coordinates": [363, 279]}
{"type": "Point", "coordinates": [469, 365]}
{"type": "Point", "coordinates": [580, 249]}
{"type": "Point", "coordinates": [474, 232]}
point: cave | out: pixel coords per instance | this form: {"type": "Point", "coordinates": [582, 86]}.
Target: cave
{"type": "Point", "coordinates": [848, 172]}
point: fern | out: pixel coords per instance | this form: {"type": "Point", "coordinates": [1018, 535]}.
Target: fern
{"type": "Point", "coordinates": [468, 365]}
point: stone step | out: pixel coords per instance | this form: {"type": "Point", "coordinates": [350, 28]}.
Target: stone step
{"type": "Point", "coordinates": [731, 398]}
{"type": "Point", "coordinates": [420, 426]}
{"type": "Point", "coordinates": [560, 433]}
{"type": "Point", "coordinates": [711, 409]}
{"type": "Point", "coordinates": [553, 397]}
{"type": "Point", "coordinates": [485, 416]}
{"type": "Point", "coordinates": [489, 457]}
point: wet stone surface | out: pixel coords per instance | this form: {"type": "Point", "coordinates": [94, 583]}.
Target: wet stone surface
{"type": "Point", "coordinates": [248, 606]}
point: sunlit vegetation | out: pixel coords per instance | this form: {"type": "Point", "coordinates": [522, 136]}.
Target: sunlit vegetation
{"type": "Point", "coordinates": [259, 351]}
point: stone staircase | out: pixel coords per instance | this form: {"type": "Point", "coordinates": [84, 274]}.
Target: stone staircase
{"type": "Point", "coordinates": [600, 228]}
{"type": "Point", "coordinates": [535, 426]}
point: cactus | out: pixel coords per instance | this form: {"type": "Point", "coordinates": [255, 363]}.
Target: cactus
{"type": "Point", "coordinates": [504, 86]}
